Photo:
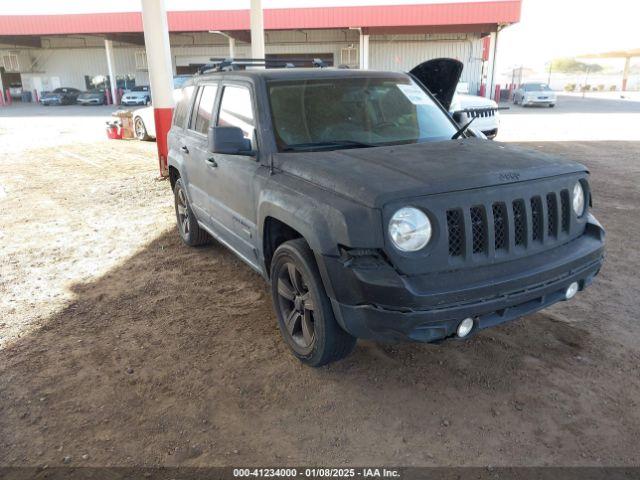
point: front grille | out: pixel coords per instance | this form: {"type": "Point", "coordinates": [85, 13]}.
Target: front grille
{"type": "Point", "coordinates": [478, 227]}
{"type": "Point", "coordinates": [519, 222]}
{"type": "Point", "coordinates": [480, 112]}
{"type": "Point", "coordinates": [502, 226]}
{"type": "Point", "coordinates": [536, 219]}
{"type": "Point", "coordinates": [564, 196]}
{"type": "Point", "coordinates": [552, 212]}
{"type": "Point", "coordinates": [456, 237]}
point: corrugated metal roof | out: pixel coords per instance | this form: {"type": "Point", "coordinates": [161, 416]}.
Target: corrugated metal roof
{"type": "Point", "coordinates": [467, 13]}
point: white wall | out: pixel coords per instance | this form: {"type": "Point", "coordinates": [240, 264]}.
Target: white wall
{"type": "Point", "coordinates": [69, 59]}
{"type": "Point", "coordinates": [403, 52]}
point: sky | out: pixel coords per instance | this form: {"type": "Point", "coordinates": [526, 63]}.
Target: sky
{"type": "Point", "coordinates": [551, 29]}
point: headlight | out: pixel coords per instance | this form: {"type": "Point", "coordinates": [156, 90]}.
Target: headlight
{"type": "Point", "coordinates": [578, 199]}
{"type": "Point", "coordinates": [409, 229]}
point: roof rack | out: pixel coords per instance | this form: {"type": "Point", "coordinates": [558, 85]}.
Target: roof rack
{"type": "Point", "coordinates": [230, 64]}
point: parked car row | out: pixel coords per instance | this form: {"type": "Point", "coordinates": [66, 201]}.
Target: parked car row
{"type": "Point", "coordinates": [140, 95]}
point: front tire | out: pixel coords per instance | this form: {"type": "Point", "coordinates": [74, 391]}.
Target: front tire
{"type": "Point", "coordinates": [188, 228]}
{"type": "Point", "coordinates": [140, 129]}
{"type": "Point", "coordinates": [304, 312]}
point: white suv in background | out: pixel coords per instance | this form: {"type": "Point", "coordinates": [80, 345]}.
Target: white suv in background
{"type": "Point", "coordinates": [465, 107]}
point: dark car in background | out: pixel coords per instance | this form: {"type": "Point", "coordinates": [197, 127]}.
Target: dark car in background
{"type": "Point", "coordinates": [140, 95]}
{"type": "Point", "coordinates": [92, 97]}
{"type": "Point", "coordinates": [60, 96]}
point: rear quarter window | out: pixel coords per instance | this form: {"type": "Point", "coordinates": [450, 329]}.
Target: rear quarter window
{"type": "Point", "coordinates": [182, 107]}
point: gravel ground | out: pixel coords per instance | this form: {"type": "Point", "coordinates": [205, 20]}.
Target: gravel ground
{"type": "Point", "coordinates": [121, 346]}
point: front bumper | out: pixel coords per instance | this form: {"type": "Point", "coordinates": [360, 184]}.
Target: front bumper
{"type": "Point", "coordinates": [90, 101]}
{"type": "Point", "coordinates": [130, 103]}
{"type": "Point", "coordinates": [539, 101]}
{"type": "Point", "coordinates": [377, 303]}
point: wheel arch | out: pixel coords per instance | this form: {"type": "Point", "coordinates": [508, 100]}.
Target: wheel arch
{"type": "Point", "coordinates": [174, 175]}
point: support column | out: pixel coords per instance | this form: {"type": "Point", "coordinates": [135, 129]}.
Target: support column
{"type": "Point", "coordinates": [108, 46]}
{"type": "Point", "coordinates": [232, 47]}
{"type": "Point", "coordinates": [625, 73]}
{"type": "Point", "coordinates": [156, 39]}
{"type": "Point", "coordinates": [363, 52]}
{"type": "Point", "coordinates": [257, 29]}
{"type": "Point", "coordinates": [491, 64]}
{"type": "Point", "coordinates": [1, 93]}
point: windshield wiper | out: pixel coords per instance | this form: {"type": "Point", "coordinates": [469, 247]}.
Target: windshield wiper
{"type": "Point", "coordinates": [462, 129]}
{"type": "Point", "coordinates": [300, 147]}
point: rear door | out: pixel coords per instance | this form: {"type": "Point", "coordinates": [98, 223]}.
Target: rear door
{"type": "Point", "coordinates": [194, 151]}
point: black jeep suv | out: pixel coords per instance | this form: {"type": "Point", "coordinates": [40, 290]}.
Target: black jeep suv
{"type": "Point", "coordinates": [370, 211]}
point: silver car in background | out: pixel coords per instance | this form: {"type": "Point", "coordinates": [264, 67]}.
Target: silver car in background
{"type": "Point", "coordinates": [529, 94]}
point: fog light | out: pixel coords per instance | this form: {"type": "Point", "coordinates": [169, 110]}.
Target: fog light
{"type": "Point", "coordinates": [465, 327]}
{"type": "Point", "coordinates": [571, 291]}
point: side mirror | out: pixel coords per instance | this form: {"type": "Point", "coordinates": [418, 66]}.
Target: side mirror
{"type": "Point", "coordinates": [228, 140]}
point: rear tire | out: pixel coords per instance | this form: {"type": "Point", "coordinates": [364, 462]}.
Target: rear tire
{"type": "Point", "coordinates": [304, 312]}
{"type": "Point", "coordinates": [188, 228]}
{"type": "Point", "coordinates": [140, 129]}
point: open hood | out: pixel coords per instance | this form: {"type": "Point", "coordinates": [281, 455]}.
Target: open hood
{"type": "Point", "coordinates": [440, 76]}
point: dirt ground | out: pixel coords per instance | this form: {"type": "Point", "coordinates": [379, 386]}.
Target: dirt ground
{"type": "Point", "coordinates": [121, 346]}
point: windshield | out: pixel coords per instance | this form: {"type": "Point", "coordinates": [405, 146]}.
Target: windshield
{"type": "Point", "coordinates": [536, 87]}
{"type": "Point", "coordinates": [351, 111]}
{"type": "Point", "coordinates": [142, 88]}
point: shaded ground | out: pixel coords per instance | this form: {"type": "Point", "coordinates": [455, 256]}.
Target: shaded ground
{"type": "Point", "coordinates": [119, 344]}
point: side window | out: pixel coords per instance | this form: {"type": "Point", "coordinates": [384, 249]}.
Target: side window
{"type": "Point", "coordinates": [236, 110]}
{"type": "Point", "coordinates": [203, 109]}
{"type": "Point", "coordinates": [182, 108]}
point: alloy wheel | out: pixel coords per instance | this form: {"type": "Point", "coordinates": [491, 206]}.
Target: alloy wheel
{"type": "Point", "coordinates": [296, 306]}
{"type": "Point", "coordinates": [139, 128]}
{"type": "Point", "coordinates": [183, 213]}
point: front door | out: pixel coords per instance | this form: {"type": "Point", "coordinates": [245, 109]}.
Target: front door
{"type": "Point", "coordinates": [233, 202]}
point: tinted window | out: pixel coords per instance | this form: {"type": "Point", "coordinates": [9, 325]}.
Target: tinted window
{"type": "Point", "coordinates": [236, 110]}
{"type": "Point", "coordinates": [142, 88]}
{"type": "Point", "coordinates": [367, 110]}
{"type": "Point", "coordinates": [182, 107]}
{"type": "Point", "coordinates": [205, 108]}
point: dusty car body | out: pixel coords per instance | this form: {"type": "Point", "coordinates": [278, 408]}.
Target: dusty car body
{"type": "Point", "coordinates": [345, 190]}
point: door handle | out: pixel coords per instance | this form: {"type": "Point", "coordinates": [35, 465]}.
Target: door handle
{"type": "Point", "coordinates": [212, 162]}
{"type": "Point", "coordinates": [184, 149]}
